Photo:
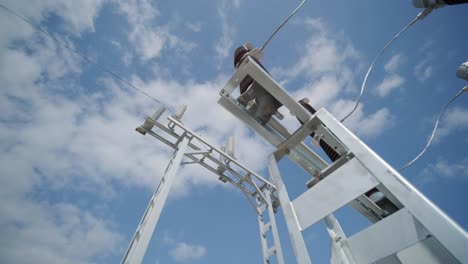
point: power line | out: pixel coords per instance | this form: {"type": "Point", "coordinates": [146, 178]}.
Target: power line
{"type": "Point", "coordinates": [465, 89]}
{"type": "Point", "coordinates": [71, 49]}
{"type": "Point", "coordinates": [282, 24]}
{"type": "Point", "coordinates": [420, 16]}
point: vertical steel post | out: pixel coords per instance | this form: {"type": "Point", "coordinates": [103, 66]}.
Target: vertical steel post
{"type": "Point", "coordinates": [137, 249]}
{"type": "Point", "coordinates": [339, 253]}
{"type": "Point", "coordinates": [292, 223]}
{"type": "Point", "coordinates": [274, 229]}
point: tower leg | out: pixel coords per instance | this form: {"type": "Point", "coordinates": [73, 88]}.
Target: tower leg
{"type": "Point", "coordinates": [137, 249]}
{"type": "Point", "coordinates": [292, 223]}
{"type": "Point", "coordinates": [340, 254]}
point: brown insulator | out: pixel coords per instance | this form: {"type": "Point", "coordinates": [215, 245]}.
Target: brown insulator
{"type": "Point", "coordinates": [331, 153]}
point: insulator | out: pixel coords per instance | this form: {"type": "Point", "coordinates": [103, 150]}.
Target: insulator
{"type": "Point", "coordinates": [181, 112]}
{"type": "Point", "coordinates": [455, 2]}
{"type": "Point", "coordinates": [436, 3]}
{"type": "Point", "coordinates": [331, 153]}
{"type": "Point", "coordinates": [462, 71]}
{"type": "Point", "coordinates": [158, 113]}
{"type": "Point", "coordinates": [239, 54]}
{"type": "Point", "coordinates": [230, 147]}
{"type": "Point", "coordinates": [266, 104]}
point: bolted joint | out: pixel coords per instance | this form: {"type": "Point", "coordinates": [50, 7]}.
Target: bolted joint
{"type": "Point", "coordinates": [275, 205]}
{"type": "Point", "coordinates": [140, 130]}
{"type": "Point", "coordinates": [223, 179]}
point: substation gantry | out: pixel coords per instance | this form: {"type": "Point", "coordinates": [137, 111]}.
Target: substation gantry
{"type": "Point", "coordinates": [190, 148]}
{"type": "Point", "coordinates": [406, 226]}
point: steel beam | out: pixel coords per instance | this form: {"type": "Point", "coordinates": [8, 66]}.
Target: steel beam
{"type": "Point", "coordinates": [447, 232]}
{"type": "Point", "coordinates": [292, 223]}
{"type": "Point", "coordinates": [140, 241]}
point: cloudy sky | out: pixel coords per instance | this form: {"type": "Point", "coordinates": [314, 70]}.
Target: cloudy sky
{"type": "Point", "coordinates": [75, 177]}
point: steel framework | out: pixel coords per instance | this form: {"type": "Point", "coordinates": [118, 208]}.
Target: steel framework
{"type": "Point", "coordinates": [190, 148]}
{"type": "Point", "coordinates": [407, 227]}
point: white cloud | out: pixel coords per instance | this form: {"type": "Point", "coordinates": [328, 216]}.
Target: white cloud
{"type": "Point", "coordinates": [223, 46]}
{"type": "Point", "coordinates": [389, 84]}
{"type": "Point", "coordinates": [29, 71]}
{"type": "Point", "coordinates": [57, 137]}
{"type": "Point", "coordinates": [375, 123]}
{"type": "Point", "coordinates": [424, 69]}
{"type": "Point", "coordinates": [236, 3]}
{"type": "Point", "coordinates": [37, 120]}
{"type": "Point", "coordinates": [394, 63]}
{"type": "Point", "coordinates": [454, 119]}
{"type": "Point", "coordinates": [53, 233]}
{"type": "Point", "coordinates": [149, 39]}
{"type": "Point", "coordinates": [369, 126]}
{"type": "Point", "coordinates": [443, 170]}
{"type": "Point", "coordinates": [77, 16]}
{"type": "Point", "coordinates": [81, 15]}
{"type": "Point", "coordinates": [184, 252]}
{"type": "Point", "coordinates": [312, 23]}
{"type": "Point", "coordinates": [195, 27]}
{"type": "Point", "coordinates": [324, 54]}
{"type": "Point", "coordinates": [328, 63]}
{"type": "Point", "coordinates": [393, 80]}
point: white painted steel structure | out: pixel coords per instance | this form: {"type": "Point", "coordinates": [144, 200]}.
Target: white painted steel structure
{"type": "Point", "coordinates": [144, 232]}
{"type": "Point", "coordinates": [413, 230]}
{"type": "Point", "coordinates": [189, 148]}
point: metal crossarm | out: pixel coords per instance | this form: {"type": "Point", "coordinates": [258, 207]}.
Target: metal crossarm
{"type": "Point", "coordinates": [235, 173]}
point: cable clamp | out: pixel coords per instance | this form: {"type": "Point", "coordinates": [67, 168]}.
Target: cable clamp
{"type": "Point", "coordinates": [256, 53]}
{"type": "Point", "coordinates": [426, 12]}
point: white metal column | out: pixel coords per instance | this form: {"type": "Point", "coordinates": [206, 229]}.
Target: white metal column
{"type": "Point", "coordinates": [137, 249]}
{"type": "Point", "coordinates": [340, 253]}
{"type": "Point", "coordinates": [292, 223]}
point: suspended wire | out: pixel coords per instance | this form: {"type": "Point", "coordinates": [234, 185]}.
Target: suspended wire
{"type": "Point", "coordinates": [69, 48]}
{"type": "Point", "coordinates": [465, 89]}
{"type": "Point", "coordinates": [358, 100]}
{"type": "Point", "coordinates": [282, 24]}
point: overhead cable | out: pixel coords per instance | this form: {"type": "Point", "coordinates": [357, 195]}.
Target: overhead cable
{"type": "Point", "coordinates": [76, 52]}
{"type": "Point", "coordinates": [465, 89]}
{"type": "Point", "coordinates": [420, 16]}
{"type": "Point", "coordinates": [282, 24]}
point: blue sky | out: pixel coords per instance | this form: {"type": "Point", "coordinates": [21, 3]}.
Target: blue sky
{"type": "Point", "coordinates": [76, 178]}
